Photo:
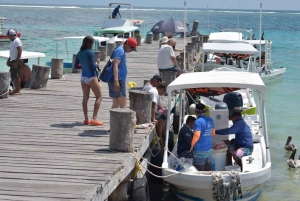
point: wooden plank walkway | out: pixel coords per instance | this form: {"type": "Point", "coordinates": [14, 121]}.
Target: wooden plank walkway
{"type": "Point", "coordinates": [47, 154]}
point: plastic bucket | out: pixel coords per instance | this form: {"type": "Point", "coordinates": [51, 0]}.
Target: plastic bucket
{"type": "Point", "coordinates": [232, 167]}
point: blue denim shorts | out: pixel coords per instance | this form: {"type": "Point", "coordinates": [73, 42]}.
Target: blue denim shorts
{"type": "Point", "coordinates": [117, 94]}
{"type": "Point", "coordinates": [175, 68]}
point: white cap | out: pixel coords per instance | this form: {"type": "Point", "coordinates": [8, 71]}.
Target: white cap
{"type": "Point", "coordinates": [11, 32]}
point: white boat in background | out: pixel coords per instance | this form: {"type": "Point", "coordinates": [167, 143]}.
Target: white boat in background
{"type": "Point", "coordinates": [266, 70]}
{"type": "Point", "coordinates": [25, 55]}
{"type": "Point", "coordinates": [192, 185]}
{"type": "Point", "coordinates": [67, 63]}
{"type": "Point", "coordinates": [3, 33]}
{"type": "Point", "coordinates": [119, 29]}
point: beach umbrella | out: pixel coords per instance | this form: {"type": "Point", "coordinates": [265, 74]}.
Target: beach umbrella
{"type": "Point", "coordinates": [170, 25]}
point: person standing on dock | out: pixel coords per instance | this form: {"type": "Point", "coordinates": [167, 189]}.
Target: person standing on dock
{"type": "Point", "coordinates": [204, 129]}
{"type": "Point", "coordinates": [15, 61]}
{"type": "Point", "coordinates": [117, 86]}
{"type": "Point", "coordinates": [89, 80]}
{"type": "Point", "coordinates": [116, 12]}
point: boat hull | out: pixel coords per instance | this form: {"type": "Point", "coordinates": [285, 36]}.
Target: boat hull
{"type": "Point", "coordinates": [196, 194]}
{"type": "Point", "coordinates": [273, 75]}
{"type": "Point", "coordinates": [4, 38]}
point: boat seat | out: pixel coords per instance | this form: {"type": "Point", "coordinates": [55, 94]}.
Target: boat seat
{"type": "Point", "coordinates": [256, 163]}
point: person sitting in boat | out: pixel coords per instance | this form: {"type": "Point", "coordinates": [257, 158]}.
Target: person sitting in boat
{"type": "Point", "coordinates": [158, 113]}
{"type": "Point", "coordinates": [25, 75]}
{"type": "Point", "coordinates": [154, 81]}
{"type": "Point", "coordinates": [204, 129]}
{"type": "Point", "coordinates": [116, 12]}
{"type": "Point", "coordinates": [262, 59]}
{"type": "Point", "coordinates": [185, 137]}
{"type": "Point", "coordinates": [166, 60]}
{"type": "Point", "coordinates": [242, 145]}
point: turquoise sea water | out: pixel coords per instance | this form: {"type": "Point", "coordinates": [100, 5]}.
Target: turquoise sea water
{"type": "Point", "coordinates": [40, 24]}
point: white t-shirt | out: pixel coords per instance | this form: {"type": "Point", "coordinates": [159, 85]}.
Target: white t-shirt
{"type": "Point", "coordinates": [155, 96]}
{"type": "Point", "coordinates": [164, 57]}
{"type": "Point", "coordinates": [147, 87]}
{"type": "Point", "coordinates": [13, 53]}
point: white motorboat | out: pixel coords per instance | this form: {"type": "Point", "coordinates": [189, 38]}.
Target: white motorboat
{"type": "Point", "coordinates": [120, 29]}
{"type": "Point", "coordinates": [190, 184]}
{"type": "Point", "coordinates": [67, 63]}
{"type": "Point", "coordinates": [266, 70]}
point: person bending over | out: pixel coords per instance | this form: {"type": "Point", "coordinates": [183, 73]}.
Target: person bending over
{"type": "Point", "coordinates": [185, 137]}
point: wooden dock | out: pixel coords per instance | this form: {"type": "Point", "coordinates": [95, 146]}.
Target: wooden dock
{"type": "Point", "coordinates": [46, 153]}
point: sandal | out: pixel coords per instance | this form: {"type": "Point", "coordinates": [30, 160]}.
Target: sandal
{"type": "Point", "coordinates": [15, 93]}
{"type": "Point", "coordinates": [86, 122]}
{"type": "Point", "coordinates": [96, 123]}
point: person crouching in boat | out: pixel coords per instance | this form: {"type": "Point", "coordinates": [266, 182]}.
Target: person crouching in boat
{"type": "Point", "coordinates": [204, 129]}
{"type": "Point", "coordinates": [185, 137]}
{"type": "Point", "coordinates": [242, 144]}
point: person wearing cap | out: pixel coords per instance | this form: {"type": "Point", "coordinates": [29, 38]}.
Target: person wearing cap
{"type": "Point", "coordinates": [116, 12]}
{"type": "Point", "coordinates": [166, 60]}
{"type": "Point", "coordinates": [117, 86]}
{"type": "Point", "coordinates": [15, 61]}
{"type": "Point", "coordinates": [154, 81]}
{"type": "Point", "coordinates": [242, 144]}
{"type": "Point", "coordinates": [204, 129]}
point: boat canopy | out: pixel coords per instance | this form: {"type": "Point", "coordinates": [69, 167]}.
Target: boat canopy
{"type": "Point", "coordinates": [233, 48]}
{"type": "Point", "coordinates": [231, 36]}
{"type": "Point", "coordinates": [256, 42]}
{"type": "Point", "coordinates": [125, 4]}
{"type": "Point", "coordinates": [96, 38]}
{"type": "Point", "coordinates": [25, 54]}
{"type": "Point", "coordinates": [117, 30]}
{"type": "Point", "coordinates": [217, 79]}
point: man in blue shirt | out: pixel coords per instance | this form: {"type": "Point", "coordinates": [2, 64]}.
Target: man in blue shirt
{"type": "Point", "coordinates": [204, 129]}
{"type": "Point", "coordinates": [117, 86]}
{"type": "Point", "coordinates": [185, 137]}
{"type": "Point", "coordinates": [116, 12]}
{"type": "Point", "coordinates": [242, 145]}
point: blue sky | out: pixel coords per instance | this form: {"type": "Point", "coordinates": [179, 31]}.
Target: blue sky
{"type": "Point", "coordinates": [225, 4]}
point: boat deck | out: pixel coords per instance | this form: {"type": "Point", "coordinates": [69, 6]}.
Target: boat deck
{"type": "Point", "coordinates": [47, 154]}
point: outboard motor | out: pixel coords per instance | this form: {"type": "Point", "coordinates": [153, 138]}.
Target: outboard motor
{"type": "Point", "coordinates": [221, 105]}
{"type": "Point", "coordinates": [234, 101]}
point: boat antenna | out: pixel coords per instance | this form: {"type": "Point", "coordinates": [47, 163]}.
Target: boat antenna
{"type": "Point", "coordinates": [184, 36]}
{"type": "Point", "coordinates": [238, 14]}
{"type": "Point", "coordinates": [260, 22]}
{"type": "Point", "coordinates": [207, 18]}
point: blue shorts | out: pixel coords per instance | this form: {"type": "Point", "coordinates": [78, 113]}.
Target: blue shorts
{"type": "Point", "coordinates": [240, 152]}
{"type": "Point", "coordinates": [203, 161]}
{"type": "Point", "coordinates": [117, 94]}
{"type": "Point", "coordinates": [175, 68]}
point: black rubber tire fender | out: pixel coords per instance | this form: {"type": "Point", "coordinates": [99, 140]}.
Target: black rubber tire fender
{"type": "Point", "coordinates": [140, 190]}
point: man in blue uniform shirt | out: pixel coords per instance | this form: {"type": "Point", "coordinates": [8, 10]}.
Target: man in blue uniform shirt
{"type": "Point", "coordinates": [116, 12]}
{"type": "Point", "coordinates": [185, 138]}
{"type": "Point", "coordinates": [242, 145]}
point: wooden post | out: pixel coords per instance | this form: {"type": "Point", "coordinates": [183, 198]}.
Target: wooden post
{"type": "Point", "coordinates": [180, 62]}
{"type": "Point", "coordinates": [110, 48]}
{"type": "Point", "coordinates": [56, 68]}
{"type": "Point", "coordinates": [187, 66]}
{"type": "Point", "coordinates": [149, 38]}
{"type": "Point", "coordinates": [74, 70]}
{"type": "Point", "coordinates": [139, 40]}
{"type": "Point", "coordinates": [195, 28]}
{"type": "Point", "coordinates": [122, 125]}
{"type": "Point", "coordinates": [39, 77]}
{"type": "Point", "coordinates": [156, 36]}
{"type": "Point", "coordinates": [190, 55]}
{"type": "Point", "coordinates": [168, 76]}
{"type": "Point", "coordinates": [4, 84]}
{"type": "Point", "coordinates": [97, 56]}
{"type": "Point", "coordinates": [102, 50]}
{"type": "Point", "coordinates": [140, 102]}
